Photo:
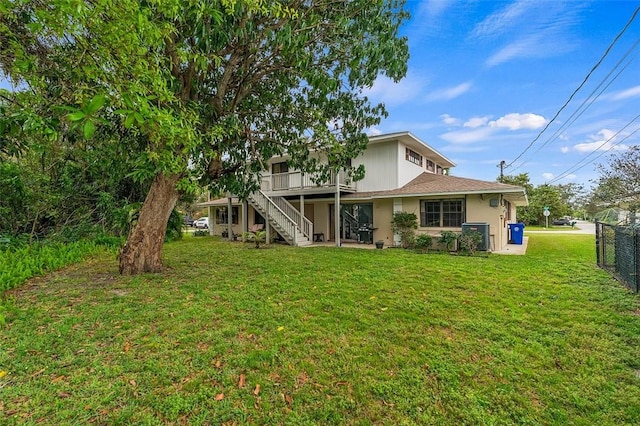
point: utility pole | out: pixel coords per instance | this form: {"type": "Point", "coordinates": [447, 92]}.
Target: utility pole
{"type": "Point", "coordinates": [501, 165]}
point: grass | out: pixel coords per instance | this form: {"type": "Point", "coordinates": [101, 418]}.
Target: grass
{"type": "Point", "coordinates": [234, 335]}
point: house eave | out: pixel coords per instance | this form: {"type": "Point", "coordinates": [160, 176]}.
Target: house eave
{"type": "Point", "coordinates": [434, 194]}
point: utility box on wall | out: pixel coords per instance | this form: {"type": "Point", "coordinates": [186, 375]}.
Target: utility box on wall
{"type": "Point", "coordinates": [483, 229]}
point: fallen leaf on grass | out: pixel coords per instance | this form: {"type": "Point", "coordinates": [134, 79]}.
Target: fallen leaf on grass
{"type": "Point", "coordinates": [2, 374]}
{"type": "Point", "coordinates": [256, 391]}
{"type": "Point", "coordinates": [288, 399]}
{"type": "Point", "coordinates": [218, 364]}
{"type": "Point", "coordinates": [63, 395]}
{"type": "Point", "coordinates": [219, 397]}
{"type": "Point", "coordinates": [57, 379]}
{"type": "Point", "coordinates": [132, 382]}
{"type": "Point", "coordinates": [127, 346]}
{"type": "Point", "coordinates": [37, 373]}
{"type": "Point", "coordinates": [241, 381]}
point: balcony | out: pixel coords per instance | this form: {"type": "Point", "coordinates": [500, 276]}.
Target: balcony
{"type": "Point", "coordinates": [294, 183]}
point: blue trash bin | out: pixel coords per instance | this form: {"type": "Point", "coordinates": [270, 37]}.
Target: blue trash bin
{"type": "Point", "coordinates": [516, 233]}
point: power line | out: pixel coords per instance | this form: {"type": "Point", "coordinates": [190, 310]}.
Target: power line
{"type": "Point", "coordinates": [589, 100]}
{"type": "Point", "coordinates": [615, 40]}
{"type": "Point", "coordinates": [575, 167]}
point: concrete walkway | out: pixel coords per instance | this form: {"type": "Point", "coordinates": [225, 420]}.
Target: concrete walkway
{"type": "Point", "coordinates": [518, 249]}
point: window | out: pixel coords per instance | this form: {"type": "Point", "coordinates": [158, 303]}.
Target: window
{"type": "Point", "coordinates": [439, 170]}
{"type": "Point", "coordinates": [413, 157]}
{"type": "Point", "coordinates": [282, 167]}
{"type": "Point", "coordinates": [431, 166]}
{"type": "Point", "coordinates": [442, 213]}
{"type": "Point", "coordinates": [221, 215]}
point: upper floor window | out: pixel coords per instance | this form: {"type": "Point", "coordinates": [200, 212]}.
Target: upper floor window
{"type": "Point", "coordinates": [282, 167]}
{"type": "Point", "coordinates": [431, 166]}
{"type": "Point", "coordinates": [413, 157]}
{"type": "Point", "coordinates": [442, 213]}
{"type": "Point", "coordinates": [439, 170]}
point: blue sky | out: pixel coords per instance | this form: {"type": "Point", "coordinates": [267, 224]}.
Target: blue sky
{"type": "Point", "coordinates": [485, 77]}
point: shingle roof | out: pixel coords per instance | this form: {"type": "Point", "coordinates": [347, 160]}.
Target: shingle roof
{"type": "Point", "coordinates": [435, 184]}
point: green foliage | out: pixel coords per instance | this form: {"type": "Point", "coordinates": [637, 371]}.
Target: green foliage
{"type": "Point", "coordinates": [174, 226]}
{"type": "Point", "coordinates": [200, 233]}
{"type": "Point", "coordinates": [619, 180]}
{"type": "Point", "coordinates": [448, 239]}
{"type": "Point", "coordinates": [404, 224]}
{"type": "Point", "coordinates": [558, 198]}
{"type": "Point", "coordinates": [423, 242]}
{"type": "Point", "coordinates": [199, 93]}
{"type": "Point", "coordinates": [469, 241]}
{"type": "Point", "coordinates": [21, 262]}
{"type": "Point", "coordinates": [257, 237]}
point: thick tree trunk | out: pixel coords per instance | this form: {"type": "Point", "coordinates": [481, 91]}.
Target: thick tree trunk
{"type": "Point", "coordinates": [143, 249]}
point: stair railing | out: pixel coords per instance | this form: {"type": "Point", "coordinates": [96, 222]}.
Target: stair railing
{"type": "Point", "coordinates": [305, 225]}
{"type": "Point", "coordinates": [275, 214]}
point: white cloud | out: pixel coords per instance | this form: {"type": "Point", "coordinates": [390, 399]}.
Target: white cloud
{"type": "Point", "coordinates": [570, 176]}
{"type": "Point", "coordinates": [434, 8]}
{"type": "Point", "coordinates": [533, 29]}
{"type": "Point", "coordinates": [632, 92]}
{"type": "Point", "coordinates": [373, 131]}
{"type": "Point", "coordinates": [476, 122]}
{"type": "Point", "coordinates": [467, 136]}
{"type": "Point", "coordinates": [386, 90]}
{"type": "Point", "coordinates": [548, 176]}
{"type": "Point", "coordinates": [515, 121]}
{"type": "Point", "coordinates": [498, 22]}
{"type": "Point", "coordinates": [528, 47]}
{"type": "Point", "coordinates": [450, 92]}
{"type": "Point", "coordinates": [564, 149]}
{"type": "Point", "coordinates": [449, 120]}
{"type": "Point", "coordinates": [603, 140]}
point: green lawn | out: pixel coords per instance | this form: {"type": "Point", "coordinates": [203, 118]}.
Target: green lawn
{"type": "Point", "coordinates": [234, 335]}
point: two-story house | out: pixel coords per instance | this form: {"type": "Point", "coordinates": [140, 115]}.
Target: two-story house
{"type": "Point", "coordinates": [402, 173]}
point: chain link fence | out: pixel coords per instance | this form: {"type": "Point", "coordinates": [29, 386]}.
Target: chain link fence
{"type": "Point", "coordinates": [618, 251]}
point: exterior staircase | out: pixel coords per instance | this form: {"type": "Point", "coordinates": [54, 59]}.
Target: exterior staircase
{"type": "Point", "coordinates": [296, 229]}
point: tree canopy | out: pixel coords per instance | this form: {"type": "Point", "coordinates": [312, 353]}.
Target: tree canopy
{"type": "Point", "coordinates": [198, 92]}
{"type": "Point", "coordinates": [619, 181]}
{"type": "Point", "coordinates": [555, 197]}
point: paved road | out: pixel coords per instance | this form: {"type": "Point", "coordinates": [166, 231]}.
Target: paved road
{"type": "Point", "coordinates": [585, 228]}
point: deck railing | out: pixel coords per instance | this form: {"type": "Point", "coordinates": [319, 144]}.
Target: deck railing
{"type": "Point", "coordinates": [299, 180]}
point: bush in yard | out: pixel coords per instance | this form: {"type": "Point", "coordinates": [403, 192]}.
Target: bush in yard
{"type": "Point", "coordinates": [469, 242]}
{"type": "Point", "coordinates": [257, 237]}
{"type": "Point", "coordinates": [448, 239]}
{"type": "Point", "coordinates": [423, 242]}
{"type": "Point", "coordinates": [404, 224]}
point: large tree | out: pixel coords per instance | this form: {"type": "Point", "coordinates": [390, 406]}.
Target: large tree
{"type": "Point", "coordinates": [211, 89]}
{"type": "Point", "coordinates": [619, 180]}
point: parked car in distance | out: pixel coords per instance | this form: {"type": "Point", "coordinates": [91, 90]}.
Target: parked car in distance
{"type": "Point", "coordinates": [203, 223]}
{"type": "Point", "coordinates": [187, 220]}
{"type": "Point", "coordinates": [562, 221]}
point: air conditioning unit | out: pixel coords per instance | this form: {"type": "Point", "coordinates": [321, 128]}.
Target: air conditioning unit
{"type": "Point", "coordinates": [483, 229]}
